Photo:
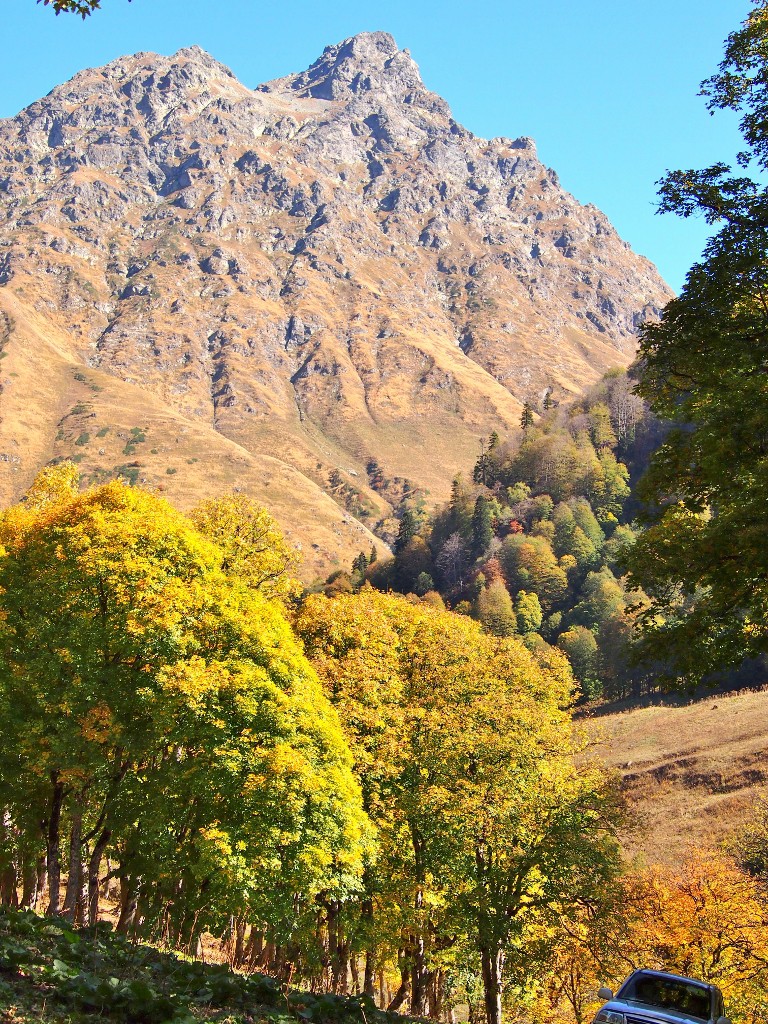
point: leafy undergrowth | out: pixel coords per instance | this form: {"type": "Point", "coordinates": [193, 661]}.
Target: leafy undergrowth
{"type": "Point", "coordinates": [53, 974]}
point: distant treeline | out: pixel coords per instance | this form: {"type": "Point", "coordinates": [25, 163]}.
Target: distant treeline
{"type": "Point", "coordinates": [531, 543]}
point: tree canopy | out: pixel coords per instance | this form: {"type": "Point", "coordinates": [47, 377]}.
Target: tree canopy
{"type": "Point", "coordinates": [703, 559]}
{"type": "Point", "coordinates": [152, 705]}
{"type": "Point", "coordinates": [465, 754]}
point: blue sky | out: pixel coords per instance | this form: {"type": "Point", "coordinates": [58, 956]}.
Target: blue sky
{"type": "Point", "coordinates": [607, 88]}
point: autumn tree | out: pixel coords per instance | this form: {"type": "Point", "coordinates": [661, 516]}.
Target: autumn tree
{"type": "Point", "coordinates": [708, 920]}
{"type": "Point", "coordinates": [465, 754]}
{"type": "Point", "coordinates": [493, 607]}
{"type": "Point", "coordinates": [155, 707]}
{"type": "Point", "coordinates": [253, 548]}
{"type": "Point", "coordinates": [530, 564]}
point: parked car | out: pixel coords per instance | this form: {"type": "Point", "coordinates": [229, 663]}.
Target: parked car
{"type": "Point", "coordinates": [654, 997]}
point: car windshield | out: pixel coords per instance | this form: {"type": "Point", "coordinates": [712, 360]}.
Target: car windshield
{"type": "Point", "coordinates": [669, 993]}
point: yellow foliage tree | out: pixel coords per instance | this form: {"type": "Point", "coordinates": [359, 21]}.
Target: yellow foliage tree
{"type": "Point", "coordinates": [253, 549]}
{"type": "Point", "coordinates": [465, 753]}
{"type": "Point", "coordinates": [152, 704]}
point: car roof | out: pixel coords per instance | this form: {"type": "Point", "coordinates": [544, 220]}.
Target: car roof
{"type": "Point", "coordinates": [668, 974]}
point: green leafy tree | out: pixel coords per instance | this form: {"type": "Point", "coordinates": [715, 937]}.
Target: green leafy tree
{"type": "Point", "coordinates": [572, 539]}
{"type": "Point", "coordinates": [530, 564]}
{"type": "Point", "coordinates": [465, 754]}
{"type": "Point", "coordinates": [528, 612]}
{"type": "Point", "coordinates": [608, 488]}
{"type": "Point", "coordinates": [482, 525]}
{"type": "Point", "coordinates": [601, 598]}
{"type": "Point", "coordinates": [153, 707]}
{"type": "Point", "coordinates": [703, 560]}
{"type": "Point", "coordinates": [580, 647]}
{"type": "Point", "coordinates": [494, 608]}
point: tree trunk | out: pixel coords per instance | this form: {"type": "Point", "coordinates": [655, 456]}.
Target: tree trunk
{"type": "Point", "coordinates": [75, 872]}
{"type": "Point", "coordinates": [338, 949]}
{"type": "Point", "coordinates": [52, 852]}
{"type": "Point", "coordinates": [255, 949]}
{"type": "Point", "coordinates": [94, 867]}
{"type": "Point", "coordinates": [419, 979]}
{"type": "Point", "coordinates": [30, 875]}
{"type": "Point", "coordinates": [9, 875]}
{"type": "Point", "coordinates": [9, 896]}
{"type": "Point", "coordinates": [42, 878]}
{"type": "Point", "coordinates": [238, 954]}
{"type": "Point", "coordinates": [369, 975]}
{"type": "Point", "coordinates": [405, 984]}
{"type": "Point", "coordinates": [129, 903]}
{"type": "Point", "coordinates": [493, 966]}
{"type": "Point", "coordinates": [420, 976]}
{"type": "Point", "coordinates": [435, 994]}
{"type": "Point", "coordinates": [269, 957]}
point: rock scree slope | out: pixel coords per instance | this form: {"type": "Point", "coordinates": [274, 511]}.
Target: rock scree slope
{"type": "Point", "coordinates": [206, 286]}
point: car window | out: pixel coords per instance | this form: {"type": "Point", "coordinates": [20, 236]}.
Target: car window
{"type": "Point", "coordinates": [669, 994]}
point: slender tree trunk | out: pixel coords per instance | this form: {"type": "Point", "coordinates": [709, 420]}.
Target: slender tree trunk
{"type": "Point", "coordinates": [239, 949]}
{"type": "Point", "coordinates": [111, 888]}
{"type": "Point", "coordinates": [255, 948]}
{"type": "Point", "coordinates": [94, 867]}
{"type": "Point", "coordinates": [42, 879]}
{"type": "Point", "coordinates": [75, 872]}
{"type": "Point", "coordinates": [30, 881]}
{"type": "Point", "coordinates": [420, 976]}
{"type": "Point", "coordinates": [369, 975]}
{"type": "Point", "coordinates": [9, 896]}
{"type": "Point", "coordinates": [129, 903]}
{"type": "Point", "coordinates": [9, 875]}
{"type": "Point", "coordinates": [493, 965]}
{"type": "Point", "coordinates": [405, 984]}
{"type": "Point", "coordinates": [435, 994]}
{"type": "Point", "coordinates": [269, 957]}
{"type": "Point", "coordinates": [53, 862]}
{"type": "Point", "coordinates": [337, 949]}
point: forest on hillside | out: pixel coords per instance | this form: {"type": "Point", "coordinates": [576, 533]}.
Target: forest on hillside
{"type": "Point", "coordinates": [531, 542]}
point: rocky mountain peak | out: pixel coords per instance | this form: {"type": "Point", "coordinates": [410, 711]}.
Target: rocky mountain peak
{"type": "Point", "coordinates": [367, 62]}
{"type": "Point", "coordinates": [278, 288]}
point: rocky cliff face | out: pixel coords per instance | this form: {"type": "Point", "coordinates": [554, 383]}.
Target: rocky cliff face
{"type": "Point", "coordinates": [212, 286]}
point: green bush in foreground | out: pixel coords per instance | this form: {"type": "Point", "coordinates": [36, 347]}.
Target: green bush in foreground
{"type": "Point", "coordinates": [51, 973]}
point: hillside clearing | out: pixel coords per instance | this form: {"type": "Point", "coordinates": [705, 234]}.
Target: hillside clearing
{"type": "Point", "coordinates": [691, 773]}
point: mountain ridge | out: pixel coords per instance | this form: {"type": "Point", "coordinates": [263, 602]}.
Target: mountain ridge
{"type": "Point", "coordinates": [325, 270]}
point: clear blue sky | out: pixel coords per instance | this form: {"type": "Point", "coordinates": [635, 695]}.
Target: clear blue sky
{"type": "Point", "coordinates": [607, 88]}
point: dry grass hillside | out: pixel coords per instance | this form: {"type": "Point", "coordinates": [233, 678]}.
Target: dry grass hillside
{"type": "Point", "coordinates": [692, 773]}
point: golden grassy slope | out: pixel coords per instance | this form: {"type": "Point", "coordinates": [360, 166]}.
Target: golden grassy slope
{"type": "Point", "coordinates": [55, 407]}
{"type": "Point", "coordinates": [692, 773]}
